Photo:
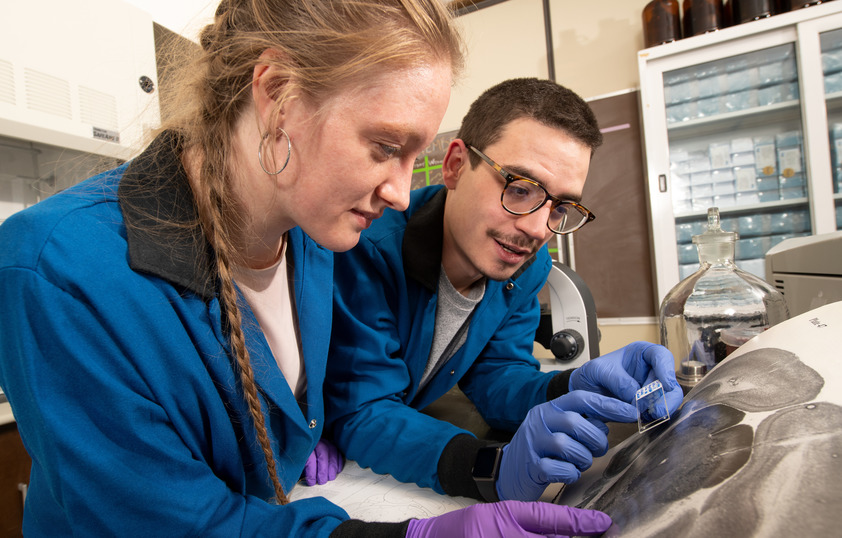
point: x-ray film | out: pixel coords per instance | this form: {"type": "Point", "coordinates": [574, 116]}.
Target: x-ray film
{"type": "Point", "coordinates": [752, 452]}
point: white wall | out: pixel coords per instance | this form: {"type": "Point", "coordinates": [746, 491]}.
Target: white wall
{"type": "Point", "coordinates": [185, 17]}
{"type": "Point", "coordinates": [595, 46]}
{"type": "Point", "coordinates": [502, 41]}
{"type": "Point", "coordinates": [595, 43]}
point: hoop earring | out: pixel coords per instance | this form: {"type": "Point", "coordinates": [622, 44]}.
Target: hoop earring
{"type": "Point", "coordinates": [260, 152]}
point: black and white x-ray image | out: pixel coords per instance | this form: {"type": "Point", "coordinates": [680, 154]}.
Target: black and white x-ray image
{"type": "Point", "coordinates": [755, 450]}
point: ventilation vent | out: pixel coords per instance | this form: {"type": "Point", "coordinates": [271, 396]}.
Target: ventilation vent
{"type": "Point", "coordinates": [780, 286]}
{"type": "Point", "coordinates": [98, 109]}
{"type": "Point", "coordinates": [46, 93]}
{"type": "Point", "coordinates": [7, 83]}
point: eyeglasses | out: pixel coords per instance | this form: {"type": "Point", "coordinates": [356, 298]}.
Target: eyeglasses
{"type": "Point", "coordinates": [522, 196]}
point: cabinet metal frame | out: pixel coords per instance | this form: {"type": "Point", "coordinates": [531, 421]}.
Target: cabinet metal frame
{"type": "Point", "coordinates": [803, 28]}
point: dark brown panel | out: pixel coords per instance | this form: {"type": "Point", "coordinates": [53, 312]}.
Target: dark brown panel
{"type": "Point", "coordinates": [613, 253]}
{"type": "Point", "coordinates": [14, 470]}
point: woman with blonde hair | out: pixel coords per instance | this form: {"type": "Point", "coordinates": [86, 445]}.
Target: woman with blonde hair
{"type": "Point", "coordinates": [167, 351]}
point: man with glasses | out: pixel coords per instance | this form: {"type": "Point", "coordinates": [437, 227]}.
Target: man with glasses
{"type": "Point", "coordinates": [446, 293]}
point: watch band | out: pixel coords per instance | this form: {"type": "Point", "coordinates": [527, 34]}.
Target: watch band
{"type": "Point", "coordinates": [485, 471]}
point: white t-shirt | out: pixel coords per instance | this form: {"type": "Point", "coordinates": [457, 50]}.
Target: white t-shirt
{"type": "Point", "coordinates": [268, 294]}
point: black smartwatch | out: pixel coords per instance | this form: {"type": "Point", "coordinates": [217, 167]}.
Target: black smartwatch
{"type": "Point", "coordinates": [485, 470]}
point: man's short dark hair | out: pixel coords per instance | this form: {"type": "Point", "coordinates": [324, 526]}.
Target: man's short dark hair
{"type": "Point", "coordinates": [543, 100]}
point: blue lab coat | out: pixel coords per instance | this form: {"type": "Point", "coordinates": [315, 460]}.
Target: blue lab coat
{"type": "Point", "coordinates": [386, 291]}
{"type": "Point", "coordinates": [114, 359]}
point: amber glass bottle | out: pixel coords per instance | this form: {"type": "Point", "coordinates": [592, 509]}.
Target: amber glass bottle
{"type": "Point", "coordinates": [752, 10]}
{"type": "Point", "coordinates": [661, 22]}
{"type": "Point", "coordinates": [798, 4]}
{"type": "Point", "coordinates": [702, 16]}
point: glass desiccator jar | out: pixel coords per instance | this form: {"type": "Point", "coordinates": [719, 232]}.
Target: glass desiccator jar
{"type": "Point", "coordinates": [716, 309]}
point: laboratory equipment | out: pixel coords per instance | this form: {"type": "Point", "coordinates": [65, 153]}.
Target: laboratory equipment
{"type": "Point", "coordinates": [570, 329]}
{"type": "Point", "coordinates": [68, 80]}
{"type": "Point", "coordinates": [807, 271]}
{"type": "Point", "coordinates": [76, 96]}
{"type": "Point", "coordinates": [718, 299]}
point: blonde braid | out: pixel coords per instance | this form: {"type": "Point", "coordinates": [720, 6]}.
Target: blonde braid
{"type": "Point", "coordinates": [228, 297]}
{"type": "Point", "coordinates": [210, 215]}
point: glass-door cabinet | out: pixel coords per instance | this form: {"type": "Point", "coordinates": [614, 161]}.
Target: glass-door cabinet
{"type": "Point", "coordinates": [747, 119]}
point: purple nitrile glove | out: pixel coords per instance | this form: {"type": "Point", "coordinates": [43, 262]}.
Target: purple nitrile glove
{"type": "Point", "coordinates": [623, 372]}
{"type": "Point", "coordinates": [506, 519]}
{"type": "Point", "coordinates": [557, 441]}
{"type": "Point", "coordinates": [323, 465]}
